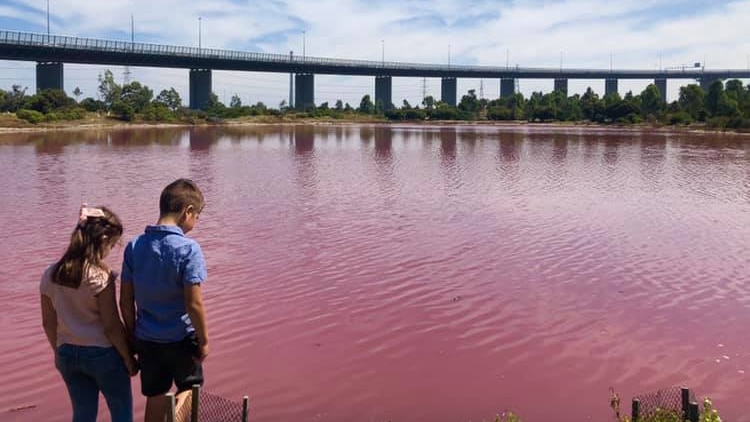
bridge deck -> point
(25, 46)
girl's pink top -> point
(79, 320)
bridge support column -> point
(448, 90)
(706, 83)
(661, 85)
(610, 87)
(561, 84)
(507, 87)
(384, 91)
(304, 91)
(200, 88)
(49, 76)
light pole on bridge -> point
(200, 31)
(47, 18)
(382, 52)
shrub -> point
(123, 111)
(679, 118)
(31, 116)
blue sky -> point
(583, 33)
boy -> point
(161, 301)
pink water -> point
(362, 273)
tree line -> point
(722, 106)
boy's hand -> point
(203, 350)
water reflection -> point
(611, 147)
(653, 153)
(201, 139)
(448, 147)
(559, 150)
(383, 144)
(304, 140)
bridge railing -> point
(112, 46)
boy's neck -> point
(169, 220)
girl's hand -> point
(132, 366)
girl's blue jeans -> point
(87, 370)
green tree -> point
(109, 90)
(366, 106)
(651, 101)
(692, 101)
(170, 98)
(591, 106)
(14, 99)
(713, 98)
(735, 90)
(429, 102)
(235, 102)
(136, 96)
(339, 105)
(49, 100)
(77, 93)
(470, 103)
(406, 105)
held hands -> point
(132, 366)
(203, 352)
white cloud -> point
(533, 33)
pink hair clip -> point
(87, 212)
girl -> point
(82, 324)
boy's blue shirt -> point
(160, 263)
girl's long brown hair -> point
(87, 246)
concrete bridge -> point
(51, 51)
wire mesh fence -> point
(677, 401)
(211, 408)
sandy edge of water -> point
(317, 122)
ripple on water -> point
(416, 272)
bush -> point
(679, 118)
(31, 116)
(123, 111)
(717, 122)
(92, 105)
(738, 123)
(156, 112)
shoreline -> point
(111, 124)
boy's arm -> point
(194, 308)
(127, 295)
(127, 309)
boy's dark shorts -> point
(165, 363)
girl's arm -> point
(113, 326)
(49, 321)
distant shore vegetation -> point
(724, 106)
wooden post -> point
(693, 412)
(635, 412)
(685, 402)
(195, 402)
(171, 414)
(245, 408)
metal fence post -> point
(245, 408)
(693, 412)
(170, 407)
(195, 402)
(635, 412)
(685, 402)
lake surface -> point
(413, 273)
